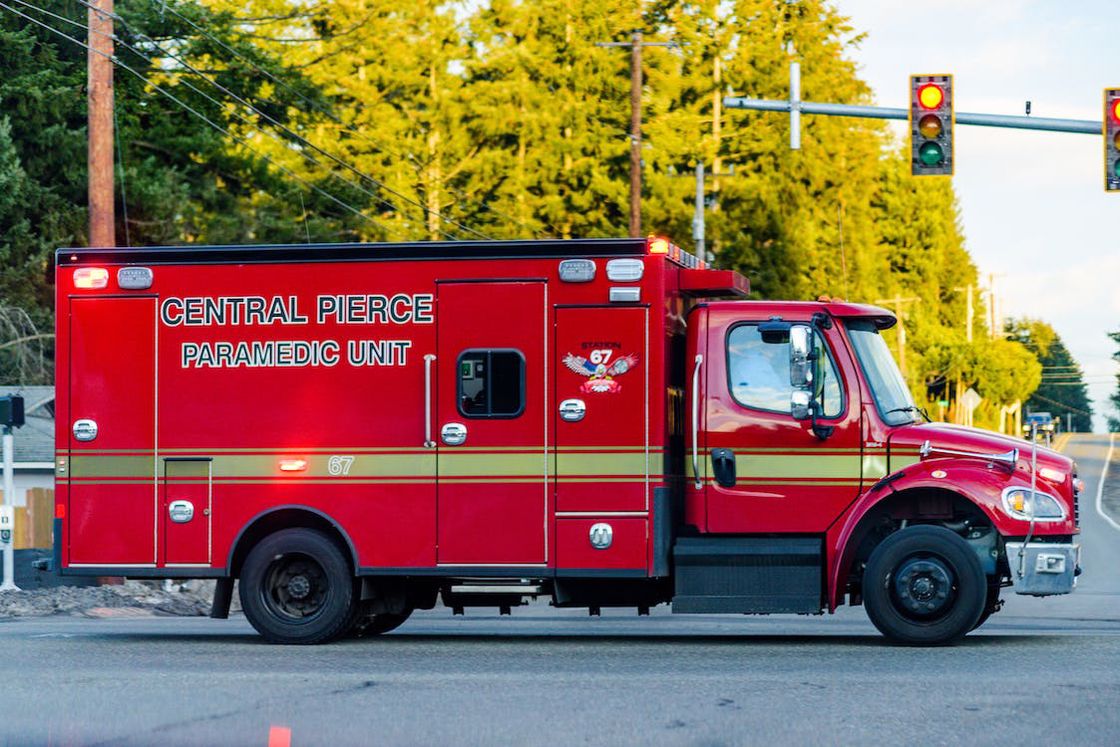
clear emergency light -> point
(91, 277)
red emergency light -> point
(293, 465)
(91, 277)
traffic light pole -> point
(8, 583)
(796, 107)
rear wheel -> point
(924, 586)
(296, 587)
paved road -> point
(1041, 671)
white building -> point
(34, 442)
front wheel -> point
(297, 587)
(372, 625)
(924, 586)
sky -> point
(1033, 205)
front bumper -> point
(1044, 569)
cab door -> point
(491, 423)
(768, 472)
(112, 477)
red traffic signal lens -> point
(930, 126)
(1114, 110)
(930, 96)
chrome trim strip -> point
(696, 421)
(428, 442)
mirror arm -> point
(823, 432)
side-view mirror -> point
(800, 404)
(801, 356)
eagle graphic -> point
(600, 377)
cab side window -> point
(491, 383)
(758, 373)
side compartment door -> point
(603, 461)
(187, 510)
(111, 517)
(491, 423)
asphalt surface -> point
(1041, 671)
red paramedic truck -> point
(357, 431)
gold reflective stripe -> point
(419, 466)
(756, 468)
(875, 466)
(111, 466)
(607, 464)
(901, 461)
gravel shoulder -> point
(130, 599)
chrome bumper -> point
(1044, 569)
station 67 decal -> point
(600, 371)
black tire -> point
(372, 625)
(297, 587)
(924, 586)
(991, 605)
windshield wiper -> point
(911, 408)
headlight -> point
(1017, 504)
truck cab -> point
(805, 442)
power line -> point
(287, 130)
(164, 5)
(196, 113)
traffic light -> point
(1112, 140)
(931, 124)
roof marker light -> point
(657, 246)
(91, 277)
(293, 465)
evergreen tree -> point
(1062, 391)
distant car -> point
(1042, 421)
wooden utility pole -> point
(898, 302)
(636, 134)
(636, 45)
(100, 103)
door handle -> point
(428, 442)
(723, 467)
(572, 410)
(453, 434)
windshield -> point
(887, 385)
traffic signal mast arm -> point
(1079, 126)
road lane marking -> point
(1100, 484)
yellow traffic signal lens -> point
(930, 126)
(1116, 140)
(930, 96)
